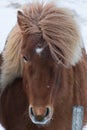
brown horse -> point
(44, 70)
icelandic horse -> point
(43, 71)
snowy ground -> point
(8, 11)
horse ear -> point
(21, 19)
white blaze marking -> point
(39, 50)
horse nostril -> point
(31, 111)
(47, 112)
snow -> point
(8, 12)
(1, 128)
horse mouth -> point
(42, 123)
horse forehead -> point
(37, 49)
(34, 41)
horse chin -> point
(42, 124)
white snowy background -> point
(8, 12)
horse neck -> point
(73, 84)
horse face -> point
(39, 75)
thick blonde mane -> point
(57, 27)
(12, 66)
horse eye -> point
(26, 59)
(60, 59)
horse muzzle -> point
(40, 115)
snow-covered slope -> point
(8, 11)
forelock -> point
(57, 27)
